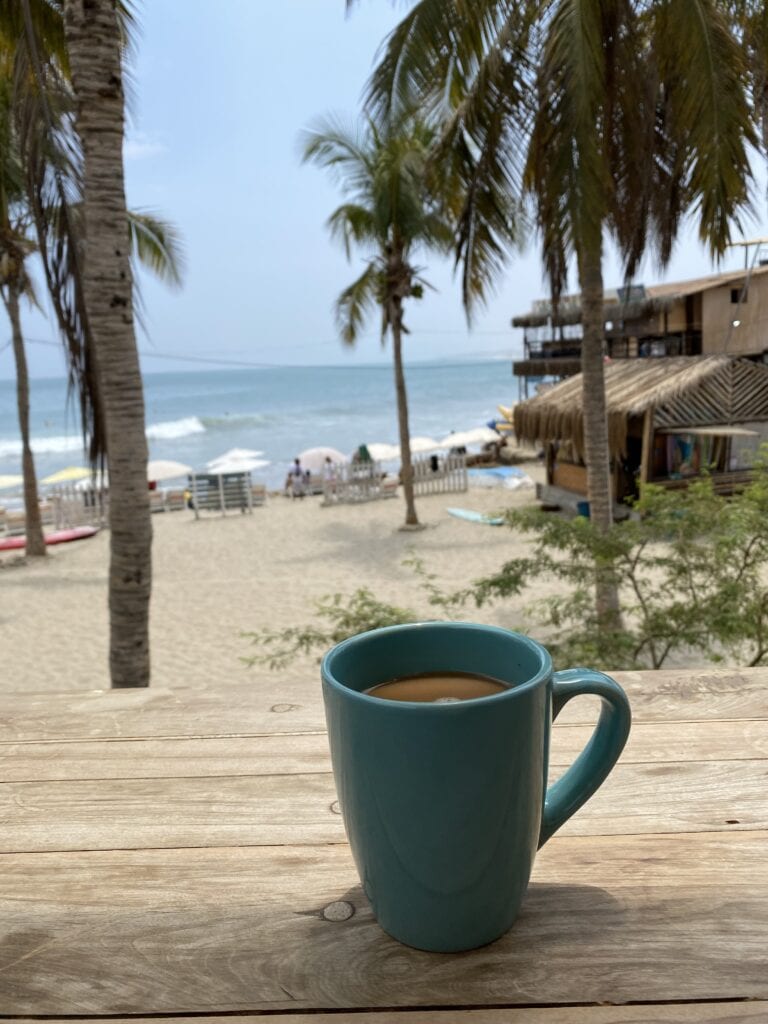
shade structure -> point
(166, 469)
(467, 438)
(10, 480)
(235, 466)
(313, 459)
(235, 455)
(68, 475)
(385, 452)
(424, 444)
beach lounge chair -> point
(258, 494)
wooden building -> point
(720, 314)
(668, 420)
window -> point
(737, 295)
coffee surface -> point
(438, 687)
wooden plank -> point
(611, 920)
(655, 1013)
(192, 757)
(269, 705)
(288, 754)
(301, 809)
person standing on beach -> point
(296, 479)
(329, 478)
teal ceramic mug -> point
(445, 805)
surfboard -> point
(475, 517)
(56, 537)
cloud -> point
(142, 147)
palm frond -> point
(157, 245)
(705, 68)
(353, 223)
(356, 302)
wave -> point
(236, 420)
(166, 430)
(172, 429)
(43, 446)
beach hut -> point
(668, 421)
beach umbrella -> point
(235, 455)
(9, 480)
(166, 469)
(424, 444)
(67, 476)
(383, 452)
(387, 452)
(236, 466)
(466, 438)
(313, 459)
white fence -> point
(439, 474)
(217, 492)
(74, 506)
(354, 482)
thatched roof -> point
(631, 387)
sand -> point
(218, 577)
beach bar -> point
(669, 420)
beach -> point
(218, 577)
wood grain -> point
(192, 757)
(610, 920)
(270, 706)
(308, 752)
(116, 814)
(656, 1013)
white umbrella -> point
(383, 452)
(424, 444)
(235, 455)
(235, 466)
(166, 469)
(313, 459)
(386, 452)
(465, 438)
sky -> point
(220, 95)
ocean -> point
(194, 417)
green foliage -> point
(691, 566)
(691, 572)
(345, 617)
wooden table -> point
(178, 852)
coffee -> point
(438, 687)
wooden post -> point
(646, 451)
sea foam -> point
(171, 429)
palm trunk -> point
(411, 519)
(94, 51)
(596, 446)
(35, 546)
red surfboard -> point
(57, 537)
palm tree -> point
(389, 214)
(93, 37)
(154, 242)
(15, 246)
(614, 118)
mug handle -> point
(592, 766)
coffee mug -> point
(446, 804)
